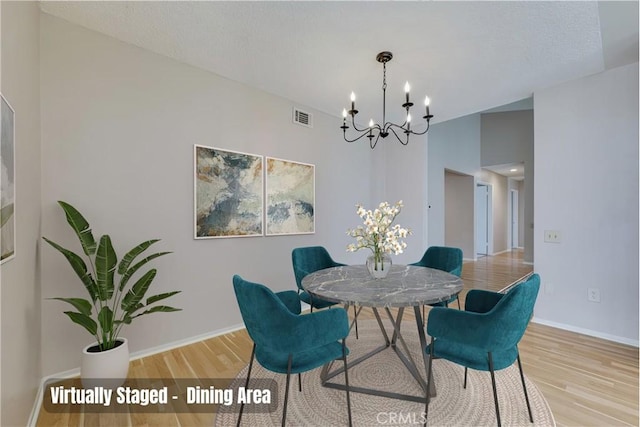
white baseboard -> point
(501, 252)
(589, 332)
(35, 411)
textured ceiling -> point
(467, 56)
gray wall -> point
(453, 145)
(507, 137)
(587, 188)
(119, 124)
(20, 290)
(459, 220)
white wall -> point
(118, 126)
(452, 145)
(406, 180)
(508, 137)
(586, 181)
(20, 291)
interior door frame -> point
(514, 213)
(489, 219)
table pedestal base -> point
(403, 354)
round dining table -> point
(405, 286)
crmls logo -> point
(400, 418)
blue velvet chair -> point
(307, 260)
(446, 259)
(486, 334)
(285, 341)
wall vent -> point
(302, 117)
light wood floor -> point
(587, 381)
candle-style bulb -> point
(371, 123)
(353, 97)
(344, 113)
(427, 101)
(407, 88)
(408, 117)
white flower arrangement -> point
(378, 234)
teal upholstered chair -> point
(307, 260)
(486, 334)
(284, 341)
(446, 259)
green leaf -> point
(5, 213)
(137, 291)
(159, 297)
(106, 261)
(158, 309)
(126, 320)
(105, 317)
(80, 304)
(131, 271)
(83, 320)
(79, 267)
(81, 227)
(133, 253)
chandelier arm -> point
(398, 138)
(365, 133)
(423, 132)
(353, 123)
(373, 144)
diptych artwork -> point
(7, 183)
(228, 193)
(290, 197)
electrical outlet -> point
(593, 294)
(552, 236)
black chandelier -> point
(376, 130)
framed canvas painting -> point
(228, 193)
(290, 197)
(7, 183)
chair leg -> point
(355, 317)
(524, 387)
(299, 382)
(429, 376)
(495, 391)
(424, 319)
(465, 377)
(458, 299)
(346, 378)
(246, 384)
(286, 392)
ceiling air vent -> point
(302, 118)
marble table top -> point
(404, 286)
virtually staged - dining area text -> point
(221, 213)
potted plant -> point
(111, 305)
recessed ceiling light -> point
(513, 170)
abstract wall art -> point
(7, 183)
(228, 193)
(290, 197)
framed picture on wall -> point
(7, 182)
(290, 197)
(228, 193)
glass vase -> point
(379, 265)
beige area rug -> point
(453, 406)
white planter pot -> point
(106, 368)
